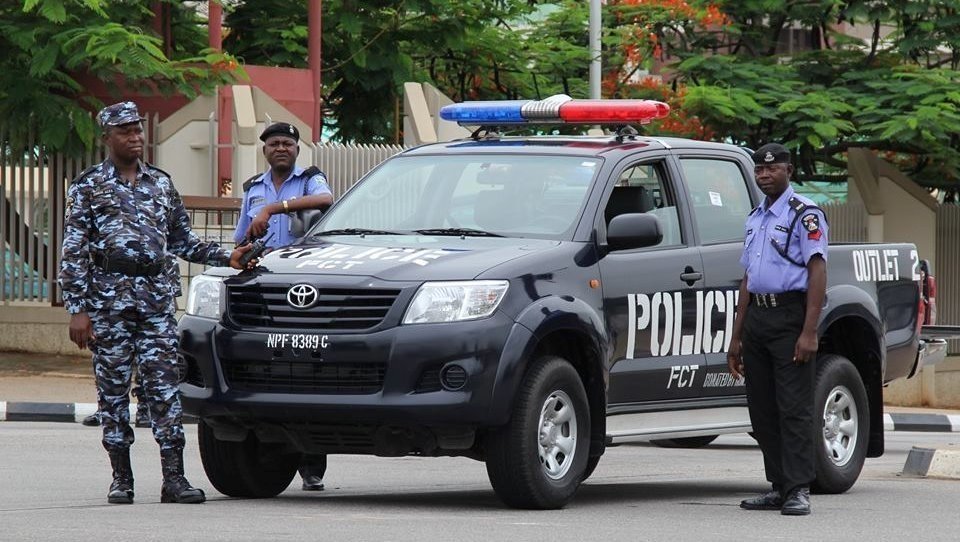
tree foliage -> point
(822, 76)
(49, 44)
(729, 66)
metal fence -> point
(345, 164)
(947, 271)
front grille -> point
(304, 376)
(341, 309)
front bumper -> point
(409, 357)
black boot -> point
(121, 490)
(176, 488)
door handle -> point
(690, 276)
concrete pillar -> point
(247, 149)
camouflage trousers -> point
(146, 343)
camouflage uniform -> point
(118, 268)
(108, 220)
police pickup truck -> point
(526, 301)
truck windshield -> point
(507, 195)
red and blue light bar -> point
(555, 109)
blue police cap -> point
(118, 114)
(281, 128)
(771, 153)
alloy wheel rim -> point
(841, 427)
(557, 435)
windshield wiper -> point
(462, 232)
(355, 231)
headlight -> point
(455, 301)
(205, 296)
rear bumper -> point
(932, 351)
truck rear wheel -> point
(538, 459)
(842, 421)
(245, 469)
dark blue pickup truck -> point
(525, 301)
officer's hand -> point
(259, 225)
(81, 330)
(735, 360)
(240, 251)
(806, 348)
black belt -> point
(128, 267)
(768, 301)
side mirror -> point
(633, 230)
(301, 221)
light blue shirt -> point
(262, 192)
(767, 271)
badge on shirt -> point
(256, 200)
(812, 223)
(68, 206)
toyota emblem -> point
(302, 296)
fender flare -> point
(541, 318)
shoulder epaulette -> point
(249, 182)
(796, 204)
(311, 171)
(755, 209)
(84, 173)
(165, 174)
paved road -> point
(53, 479)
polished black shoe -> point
(143, 416)
(312, 483)
(797, 503)
(770, 500)
(92, 420)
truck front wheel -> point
(842, 425)
(249, 468)
(539, 458)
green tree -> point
(48, 43)
(728, 68)
(469, 49)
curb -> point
(932, 423)
(76, 412)
(57, 412)
(933, 462)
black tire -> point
(685, 442)
(517, 471)
(841, 425)
(248, 469)
(591, 466)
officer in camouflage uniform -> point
(124, 219)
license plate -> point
(297, 342)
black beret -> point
(281, 128)
(771, 153)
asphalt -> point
(45, 387)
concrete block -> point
(940, 462)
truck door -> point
(649, 293)
(720, 202)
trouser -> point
(313, 465)
(149, 343)
(780, 394)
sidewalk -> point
(44, 387)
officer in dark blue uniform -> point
(774, 342)
(124, 219)
(269, 198)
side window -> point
(721, 202)
(641, 188)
